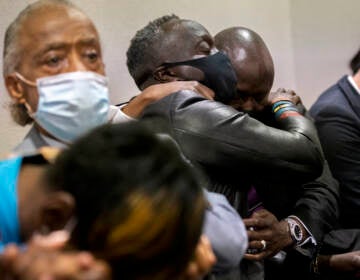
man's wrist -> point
(288, 242)
(321, 264)
(296, 231)
(136, 105)
(283, 109)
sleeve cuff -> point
(307, 247)
(116, 115)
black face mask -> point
(219, 74)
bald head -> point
(251, 60)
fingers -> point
(258, 250)
(260, 235)
(254, 222)
(280, 90)
(203, 262)
(283, 94)
(10, 253)
(256, 257)
(260, 220)
(8, 258)
(54, 240)
(98, 270)
(288, 91)
(297, 100)
(259, 245)
(46, 276)
(204, 90)
(204, 255)
(85, 260)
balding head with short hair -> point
(142, 55)
(14, 53)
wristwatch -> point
(295, 231)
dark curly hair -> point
(140, 57)
(355, 62)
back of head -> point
(250, 57)
(139, 205)
(142, 53)
(355, 63)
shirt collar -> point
(53, 142)
(354, 85)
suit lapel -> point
(351, 95)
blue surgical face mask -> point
(9, 219)
(70, 104)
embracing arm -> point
(224, 139)
(318, 207)
(134, 108)
(340, 253)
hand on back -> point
(283, 94)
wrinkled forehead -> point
(54, 20)
(53, 11)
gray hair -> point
(12, 53)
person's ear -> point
(15, 88)
(165, 75)
(57, 210)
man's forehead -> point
(53, 26)
(194, 28)
(184, 28)
(43, 20)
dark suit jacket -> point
(341, 241)
(317, 202)
(337, 118)
(237, 151)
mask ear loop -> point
(24, 80)
(159, 78)
(30, 111)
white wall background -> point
(311, 40)
(326, 35)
